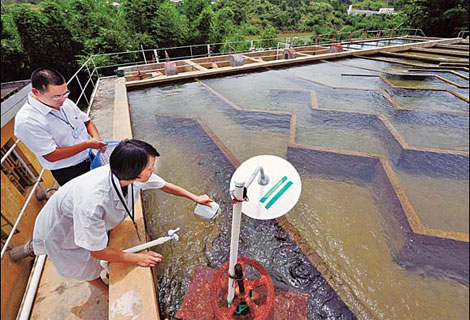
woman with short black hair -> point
(72, 228)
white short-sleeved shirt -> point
(77, 218)
(41, 129)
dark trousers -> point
(66, 174)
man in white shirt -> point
(55, 129)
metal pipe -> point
(31, 293)
(79, 69)
(236, 218)
(93, 96)
(10, 150)
(239, 275)
(263, 179)
(155, 53)
(83, 93)
(90, 75)
(83, 90)
(13, 229)
(143, 53)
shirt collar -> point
(38, 105)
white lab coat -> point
(77, 218)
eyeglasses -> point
(60, 96)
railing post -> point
(155, 53)
(20, 216)
(90, 75)
(143, 53)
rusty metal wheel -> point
(258, 294)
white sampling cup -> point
(206, 211)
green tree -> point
(192, 9)
(169, 28)
(202, 27)
(61, 46)
(268, 37)
(14, 63)
(30, 26)
(442, 18)
(139, 14)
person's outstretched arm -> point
(142, 259)
(181, 192)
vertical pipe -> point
(143, 53)
(156, 55)
(236, 218)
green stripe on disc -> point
(277, 185)
(279, 194)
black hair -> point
(130, 157)
(42, 77)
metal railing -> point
(106, 64)
(463, 34)
(20, 216)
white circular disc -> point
(276, 198)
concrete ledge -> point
(411, 76)
(416, 65)
(132, 292)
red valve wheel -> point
(258, 294)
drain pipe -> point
(33, 287)
(240, 195)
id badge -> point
(76, 133)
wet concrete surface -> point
(102, 109)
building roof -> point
(14, 95)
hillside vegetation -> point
(62, 33)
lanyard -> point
(66, 119)
(125, 204)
